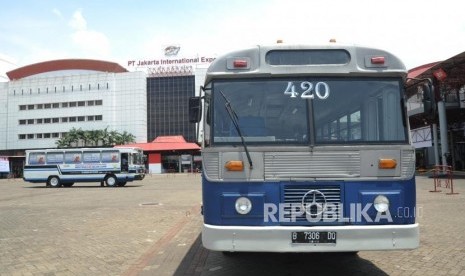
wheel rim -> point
(111, 181)
(54, 181)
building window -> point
(64, 119)
(55, 120)
(46, 135)
(47, 106)
(22, 107)
(90, 118)
(90, 103)
(81, 103)
(98, 102)
(72, 119)
(39, 121)
(64, 105)
(22, 122)
(30, 136)
(56, 105)
(40, 106)
(47, 121)
(39, 136)
(55, 135)
(30, 107)
(98, 117)
(72, 104)
(22, 136)
(30, 121)
(81, 118)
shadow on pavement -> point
(200, 261)
(82, 187)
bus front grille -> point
(312, 203)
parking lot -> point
(152, 227)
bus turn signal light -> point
(387, 163)
(234, 165)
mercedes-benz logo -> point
(312, 204)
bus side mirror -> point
(429, 99)
(195, 109)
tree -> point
(127, 138)
(78, 137)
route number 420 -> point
(308, 90)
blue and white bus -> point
(63, 167)
(306, 149)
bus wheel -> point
(230, 253)
(111, 181)
(122, 184)
(54, 182)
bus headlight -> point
(243, 205)
(381, 203)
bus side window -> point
(91, 157)
(36, 158)
(54, 157)
(110, 157)
(72, 157)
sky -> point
(31, 31)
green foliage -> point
(94, 138)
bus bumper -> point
(278, 238)
(139, 176)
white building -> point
(45, 100)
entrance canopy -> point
(450, 72)
(165, 143)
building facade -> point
(39, 109)
(167, 106)
(439, 137)
(43, 101)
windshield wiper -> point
(232, 114)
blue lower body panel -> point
(309, 203)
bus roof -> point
(125, 149)
(283, 60)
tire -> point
(230, 254)
(122, 184)
(351, 253)
(111, 181)
(68, 184)
(54, 182)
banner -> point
(421, 137)
(4, 165)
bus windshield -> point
(311, 110)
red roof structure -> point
(65, 64)
(165, 143)
(415, 72)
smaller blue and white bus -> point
(63, 167)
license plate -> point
(315, 237)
